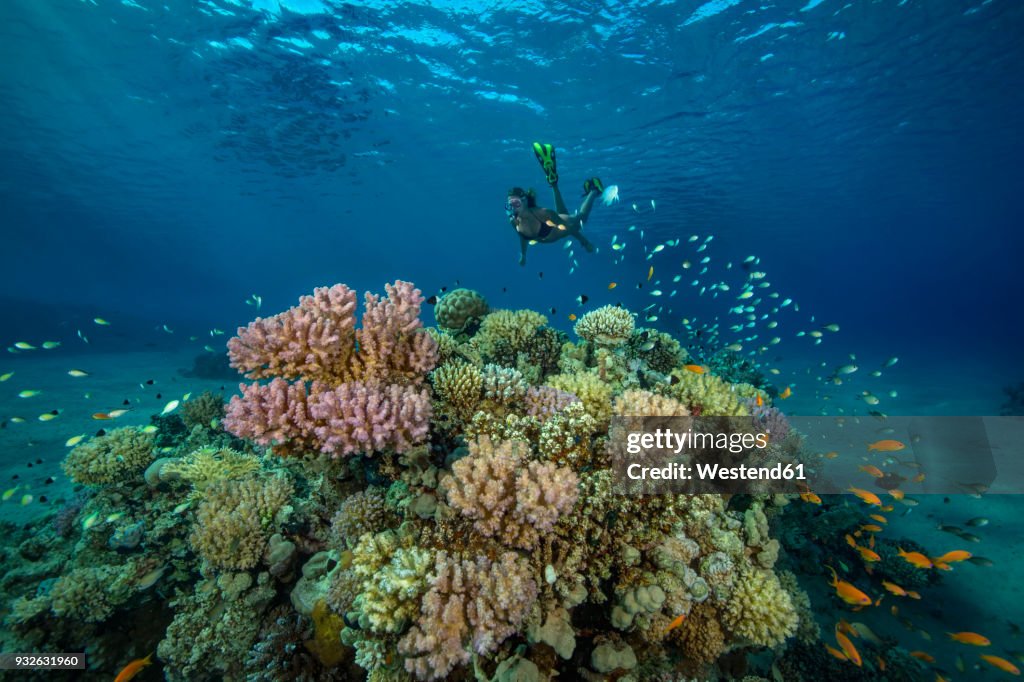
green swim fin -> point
(592, 185)
(546, 157)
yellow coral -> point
(459, 385)
(512, 326)
(326, 643)
(595, 395)
(637, 403)
(707, 394)
(393, 579)
(608, 326)
(208, 465)
(120, 455)
(235, 520)
(760, 610)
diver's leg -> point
(576, 230)
(588, 203)
(559, 202)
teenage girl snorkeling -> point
(534, 223)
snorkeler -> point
(536, 224)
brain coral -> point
(607, 326)
(120, 455)
(459, 306)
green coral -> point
(458, 307)
(120, 455)
(204, 410)
(206, 466)
(659, 350)
(91, 593)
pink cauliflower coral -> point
(508, 498)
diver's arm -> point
(523, 243)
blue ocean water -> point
(163, 162)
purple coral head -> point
(769, 419)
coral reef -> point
(393, 503)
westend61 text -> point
(716, 472)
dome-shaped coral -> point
(458, 307)
(760, 610)
(118, 456)
(606, 326)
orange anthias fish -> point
(835, 652)
(846, 645)
(133, 668)
(696, 369)
(847, 592)
(886, 445)
(872, 470)
(923, 656)
(866, 495)
(101, 415)
(868, 554)
(759, 400)
(953, 557)
(879, 518)
(972, 638)
(676, 622)
(1002, 664)
(572, 317)
(831, 455)
(612, 285)
(871, 528)
(897, 494)
(895, 589)
(811, 497)
(915, 558)
(786, 393)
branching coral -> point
(637, 403)
(364, 394)
(760, 610)
(121, 455)
(236, 518)
(606, 326)
(362, 512)
(352, 417)
(505, 496)
(207, 465)
(459, 386)
(595, 394)
(473, 605)
(707, 395)
(91, 593)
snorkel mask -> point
(525, 198)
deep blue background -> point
(167, 159)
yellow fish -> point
(5, 377)
(650, 273)
(612, 285)
(22, 345)
(170, 407)
(50, 345)
(73, 441)
(77, 373)
(100, 321)
(47, 417)
(28, 393)
(8, 494)
(26, 500)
